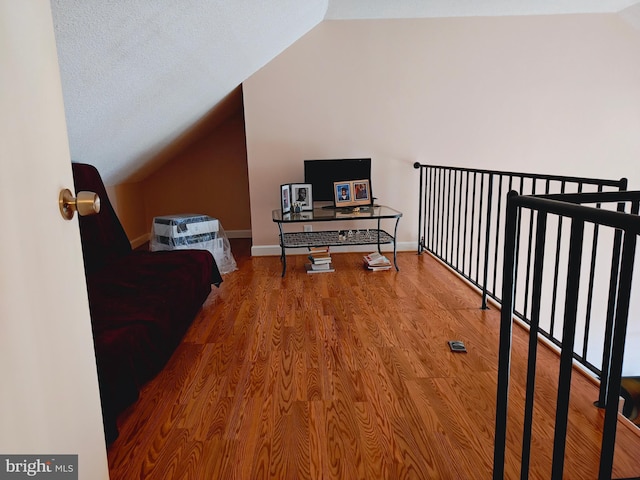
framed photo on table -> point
(352, 193)
(301, 194)
(285, 198)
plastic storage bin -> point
(193, 231)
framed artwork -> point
(352, 193)
(301, 196)
(285, 198)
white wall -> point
(49, 399)
(553, 94)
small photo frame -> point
(301, 195)
(285, 198)
(352, 193)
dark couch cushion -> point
(141, 306)
(141, 303)
(103, 238)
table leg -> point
(395, 235)
(283, 256)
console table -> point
(368, 236)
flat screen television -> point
(322, 173)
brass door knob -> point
(86, 203)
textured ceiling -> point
(138, 74)
(352, 9)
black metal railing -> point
(461, 222)
(589, 216)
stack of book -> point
(320, 260)
(376, 261)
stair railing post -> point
(506, 325)
(420, 200)
(486, 244)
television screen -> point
(322, 173)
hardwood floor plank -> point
(218, 417)
(348, 375)
(413, 454)
(377, 458)
(318, 442)
(219, 458)
(263, 432)
(344, 450)
(290, 455)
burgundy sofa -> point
(141, 302)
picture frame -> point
(285, 198)
(302, 196)
(352, 193)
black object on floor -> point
(457, 346)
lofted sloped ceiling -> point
(359, 9)
(138, 75)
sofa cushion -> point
(142, 304)
(103, 238)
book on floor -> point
(309, 267)
(378, 268)
(321, 266)
(319, 255)
(376, 261)
(375, 258)
(320, 259)
(317, 259)
(318, 249)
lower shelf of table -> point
(335, 238)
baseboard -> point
(269, 250)
(141, 240)
(238, 233)
(265, 250)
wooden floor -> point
(348, 375)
